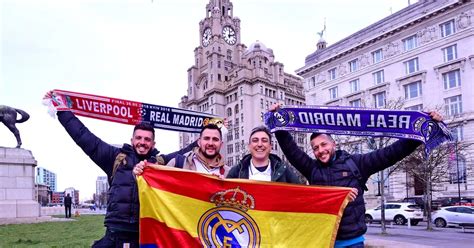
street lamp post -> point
(457, 168)
(406, 182)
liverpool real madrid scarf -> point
(130, 112)
(360, 121)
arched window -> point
(229, 111)
(236, 109)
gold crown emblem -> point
(234, 198)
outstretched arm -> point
(298, 158)
(385, 157)
(99, 151)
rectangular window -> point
(453, 105)
(356, 103)
(450, 53)
(237, 147)
(457, 169)
(230, 161)
(355, 85)
(378, 77)
(409, 43)
(377, 56)
(353, 65)
(332, 74)
(236, 132)
(333, 93)
(447, 28)
(411, 66)
(452, 79)
(312, 82)
(418, 107)
(412, 90)
(379, 100)
(230, 149)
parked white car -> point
(398, 212)
(453, 215)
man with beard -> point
(333, 167)
(121, 219)
(205, 158)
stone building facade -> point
(423, 56)
(232, 80)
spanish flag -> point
(180, 208)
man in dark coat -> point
(260, 164)
(122, 214)
(67, 205)
(339, 168)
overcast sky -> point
(138, 50)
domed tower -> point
(233, 81)
(321, 42)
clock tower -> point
(233, 81)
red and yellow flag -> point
(181, 208)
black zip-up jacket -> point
(122, 206)
(281, 171)
(339, 173)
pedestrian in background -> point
(68, 205)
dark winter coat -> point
(122, 206)
(339, 173)
(281, 172)
(67, 201)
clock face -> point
(229, 35)
(206, 36)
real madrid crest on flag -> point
(228, 224)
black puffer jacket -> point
(339, 173)
(123, 206)
(281, 172)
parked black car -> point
(419, 201)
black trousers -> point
(114, 239)
(67, 208)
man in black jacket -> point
(338, 168)
(260, 164)
(122, 214)
(68, 205)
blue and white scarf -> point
(360, 122)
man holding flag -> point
(122, 216)
(205, 158)
(339, 168)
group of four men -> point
(331, 167)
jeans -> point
(67, 208)
(114, 239)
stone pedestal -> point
(17, 184)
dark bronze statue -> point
(8, 117)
